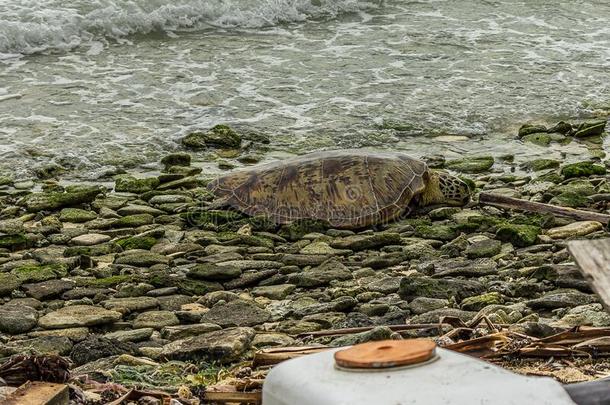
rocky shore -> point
(142, 278)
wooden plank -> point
(234, 397)
(541, 208)
(39, 393)
(593, 260)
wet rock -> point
(78, 315)
(236, 313)
(252, 264)
(575, 229)
(186, 331)
(528, 129)
(385, 285)
(518, 235)
(367, 241)
(582, 169)
(222, 346)
(413, 287)
(129, 184)
(375, 334)
(16, 319)
(297, 229)
(561, 299)
(220, 136)
(478, 164)
(176, 159)
(374, 309)
(341, 304)
(419, 250)
(537, 165)
(590, 128)
(97, 347)
(76, 215)
(95, 250)
(421, 305)
(209, 271)
(49, 201)
(539, 138)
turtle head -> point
(443, 188)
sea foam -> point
(30, 26)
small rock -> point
(89, 239)
(274, 292)
(575, 229)
(222, 346)
(78, 315)
(236, 313)
(17, 319)
(375, 334)
(155, 320)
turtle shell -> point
(348, 189)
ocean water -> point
(98, 84)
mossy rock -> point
(49, 201)
(590, 128)
(571, 199)
(37, 273)
(8, 283)
(213, 217)
(518, 235)
(438, 232)
(13, 242)
(413, 287)
(220, 135)
(537, 165)
(541, 220)
(582, 169)
(540, 139)
(95, 250)
(176, 159)
(137, 242)
(477, 164)
(479, 302)
(76, 215)
(582, 187)
(129, 184)
(133, 221)
(297, 229)
(528, 129)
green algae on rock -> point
(518, 235)
(48, 201)
(219, 135)
(582, 169)
(477, 164)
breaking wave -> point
(31, 26)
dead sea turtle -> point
(347, 189)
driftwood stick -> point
(514, 203)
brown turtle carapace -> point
(347, 189)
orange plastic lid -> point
(386, 353)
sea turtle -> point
(347, 189)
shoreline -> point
(94, 274)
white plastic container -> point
(452, 378)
